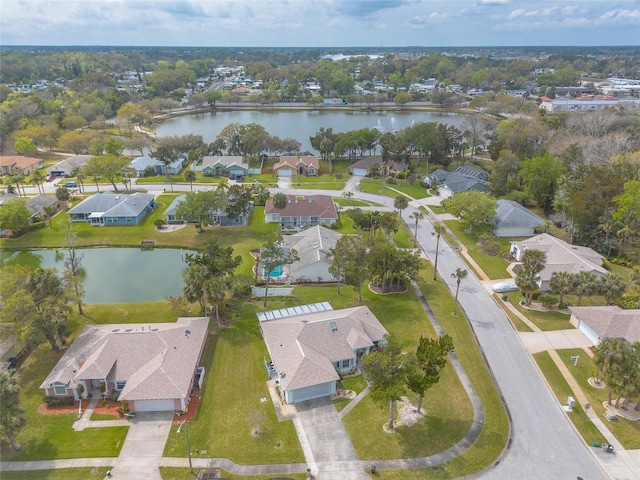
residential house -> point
(110, 208)
(302, 211)
(598, 323)
(290, 166)
(35, 205)
(154, 366)
(514, 220)
(314, 251)
(224, 165)
(374, 166)
(68, 165)
(309, 346)
(217, 217)
(145, 164)
(462, 179)
(560, 257)
(16, 164)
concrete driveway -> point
(325, 442)
(142, 449)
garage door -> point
(309, 393)
(284, 173)
(154, 405)
(360, 172)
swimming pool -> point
(276, 272)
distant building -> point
(17, 164)
(303, 211)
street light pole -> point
(186, 424)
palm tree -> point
(585, 283)
(215, 292)
(36, 179)
(459, 274)
(611, 286)
(11, 420)
(279, 203)
(611, 358)
(562, 283)
(401, 203)
(190, 176)
(438, 231)
(416, 216)
(527, 278)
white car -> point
(504, 287)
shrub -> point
(548, 300)
(390, 181)
(628, 301)
(68, 401)
(339, 176)
(401, 175)
(125, 406)
(51, 401)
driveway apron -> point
(143, 447)
(328, 449)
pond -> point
(301, 124)
(116, 275)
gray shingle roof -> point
(611, 321)
(313, 245)
(226, 161)
(156, 360)
(70, 164)
(304, 347)
(512, 214)
(112, 204)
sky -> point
(321, 23)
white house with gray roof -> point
(598, 323)
(560, 257)
(309, 350)
(110, 208)
(514, 220)
(314, 251)
(154, 366)
(66, 167)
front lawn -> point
(318, 185)
(547, 320)
(377, 186)
(83, 473)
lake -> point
(300, 124)
(116, 275)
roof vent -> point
(334, 327)
(310, 200)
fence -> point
(273, 292)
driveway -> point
(142, 449)
(325, 442)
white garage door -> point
(309, 393)
(284, 173)
(360, 172)
(155, 405)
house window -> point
(346, 363)
(314, 220)
(120, 384)
(60, 389)
(129, 220)
(311, 171)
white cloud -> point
(620, 16)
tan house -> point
(598, 323)
(560, 257)
(292, 166)
(154, 366)
(13, 164)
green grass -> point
(231, 406)
(403, 238)
(83, 473)
(357, 383)
(562, 390)
(546, 321)
(415, 191)
(352, 202)
(172, 473)
(336, 185)
(625, 431)
(378, 187)
(103, 416)
(494, 267)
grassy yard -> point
(494, 267)
(378, 187)
(546, 320)
(626, 432)
(318, 185)
(170, 473)
(352, 202)
(562, 390)
(84, 473)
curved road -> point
(545, 444)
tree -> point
(400, 203)
(239, 201)
(215, 291)
(108, 167)
(612, 286)
(37, 178)
(11, 413)
(127, 175)
(198, 206)
(73, 265)
(195, 278)
(417, 217)
(386, 372)
(15, 216)
(430, 359)
(611, 359)
(280, 203)
(25, 146)
(212, 97)
(585, 283)
(438, 230)
(459, 274)
(350, 261)
(634, 278)
(562, 283)
(473, 207)
(273, 255)
(190, 176)
(166, 154)
(62, 194)
(528, 276)
(540, 176)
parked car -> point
(70, 185)
(239, 178)
(232, 176)
(503, 287)
(49, 178)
